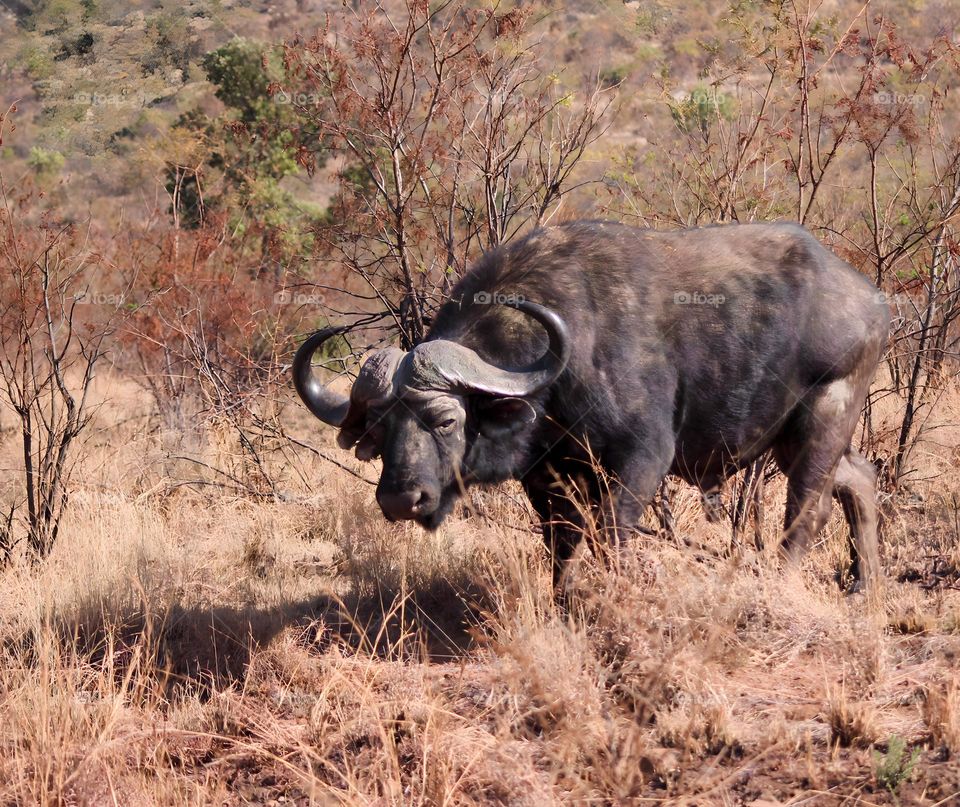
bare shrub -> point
(455, 137)
(51, 342)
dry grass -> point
(941, 713)
(188, 646)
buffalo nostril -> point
(405, 504)
(422, 501)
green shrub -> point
(701, 108)
(45, 163)
(894, 767)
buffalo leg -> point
(629, 490)
(808, 508)
(560, 520)
(855, 488)
(809, 452)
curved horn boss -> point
(446, 365)
(434, 365)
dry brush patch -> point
(184, 645)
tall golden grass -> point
(184, 645)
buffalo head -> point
(439, 415)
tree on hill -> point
(456, 135)
(230, 168)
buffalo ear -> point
(499, 416)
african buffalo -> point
(644, 353)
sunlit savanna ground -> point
(188, 645)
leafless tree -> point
(48, 357)
(454, 139)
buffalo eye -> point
(447, 424)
